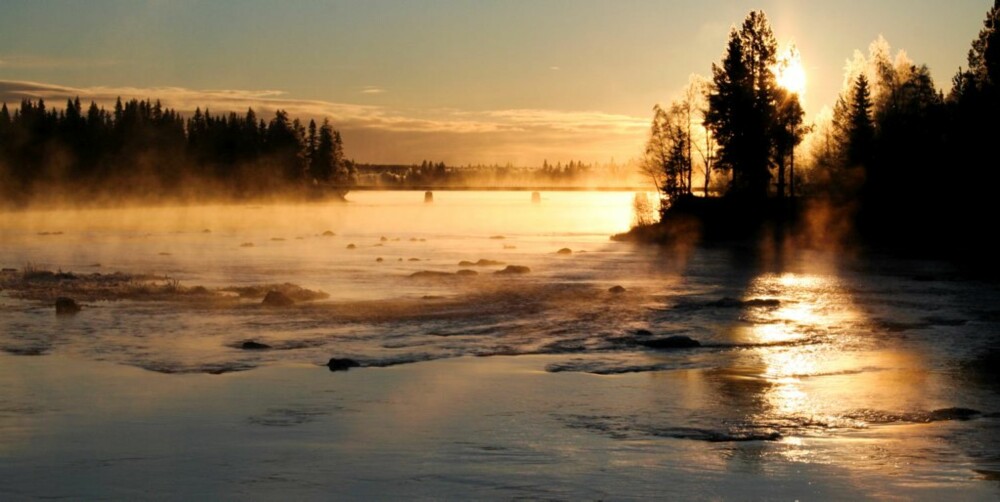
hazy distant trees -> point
(142, 149)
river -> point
(820, 374)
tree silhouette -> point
(861, 129)
(743, 106)
(143, 149)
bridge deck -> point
(436, 188)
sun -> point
(789, 71)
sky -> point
(473, 81)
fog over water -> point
(818, 373)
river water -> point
(820, 374)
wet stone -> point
(66, 306)
(277, 299)
(671, 342)
(252, 345)
(342, 364)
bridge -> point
(474, 188)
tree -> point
(788, 133)
(742, 106)
(861, 129)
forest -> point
(142, 151)
(904, 163)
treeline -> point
(917, 166)
(909, 165)
(143, 150)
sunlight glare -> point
(789, 71)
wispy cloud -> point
(383, 134)
(35, 62)
(555, 68)
(373, 90)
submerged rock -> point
(954, 414)
(328, 233)
(671, 342)
(565, 251)
(731, 303)
(480, 263)
(252, 345)
(616, 290)
(466, 271)
(66, 306)
(277, 299)
(246, 245)
(379, 259)
(351, 246)
(342, 364)
(430, 274)
(514, 269)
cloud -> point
(373, 90)
(555, 68)
(396, 135)
(31, 62)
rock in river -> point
(252, 345)
(514, 269)
(616, 290)
(277, 299)
(341, 364)
(671, 342)
(66, 306)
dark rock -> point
(414, 259)
(643, 333)
(66, 306)
(762, 302)
(430, 274)
(480, 263)
(278, 239)
(342, 364)
(466, 271)
(246, 245)
(565, 251)
(671, 342)
(732, 303)
(383, 239)
(497, 237)
(954, 414)
(277, 299)
(252, 345)
(514, 269)
(351, 246)
(379, 259)
(616, 290)
(328, 233)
